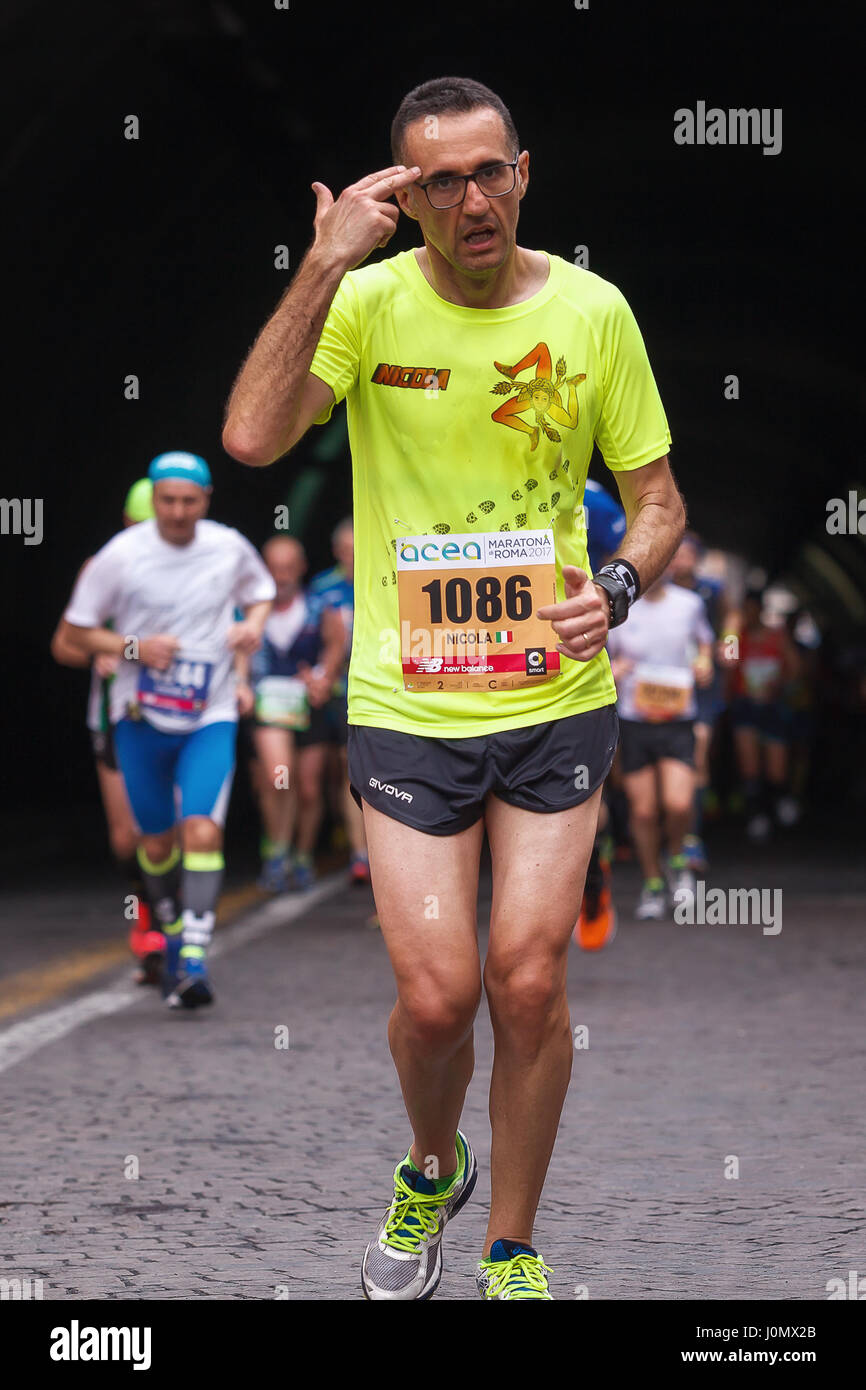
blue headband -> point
(191, 467)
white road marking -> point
(23, 1039)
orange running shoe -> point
(596, 925)
(148, 947)
(359, 869)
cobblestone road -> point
(263, 1169)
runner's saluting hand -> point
(581, 619)
(360, 219)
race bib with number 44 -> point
(468, 608)
(181, 690)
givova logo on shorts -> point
(391, 790)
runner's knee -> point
(157, 848)
(201, 834)
(524, 995)
(439, 1016)
(679, 804)
(310, 791)
(123, 840)
(309, 780)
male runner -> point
(800, 694)
(335, 588)
(146, 942)
(596, 925)
(767, 660)
(664, 650)
(710, 697)
(478, 373)
(293, 672)
(171, 586)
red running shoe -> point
(148, 946)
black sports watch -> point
(621, 582)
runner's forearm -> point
(653, 535)
(334, 644)
(266, 396)
(95, 640)
(65, 650)
(257, 614)
(333, 658)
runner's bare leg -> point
(641, 789)
(539, 867)
(275, 749)
(677, 783)
(426, 889)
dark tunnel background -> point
(156, 257)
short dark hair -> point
(446, 96)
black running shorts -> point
(327, 725)
(643, 745)
(102, 745)
(439, 785)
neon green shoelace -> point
(520, 1277)
(412, 1218)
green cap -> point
(139, 501)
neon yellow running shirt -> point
(477, 420)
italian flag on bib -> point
(504, 636)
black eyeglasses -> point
(494, 182)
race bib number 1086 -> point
(468, 606)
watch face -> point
(617, 600)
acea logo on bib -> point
(413, 553)
(475, 550)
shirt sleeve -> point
(338, 355)
(316, 604)
(254, 580)
(94, 597)
(703, 632)
(633, 429)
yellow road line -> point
(27, 989)
(232, 903)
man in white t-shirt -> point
(656, 659)
(171, 587)
(145, 937)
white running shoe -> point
(759, 827)
(787, 811)
(404, 1259)
(680, 877)
(653, 901)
